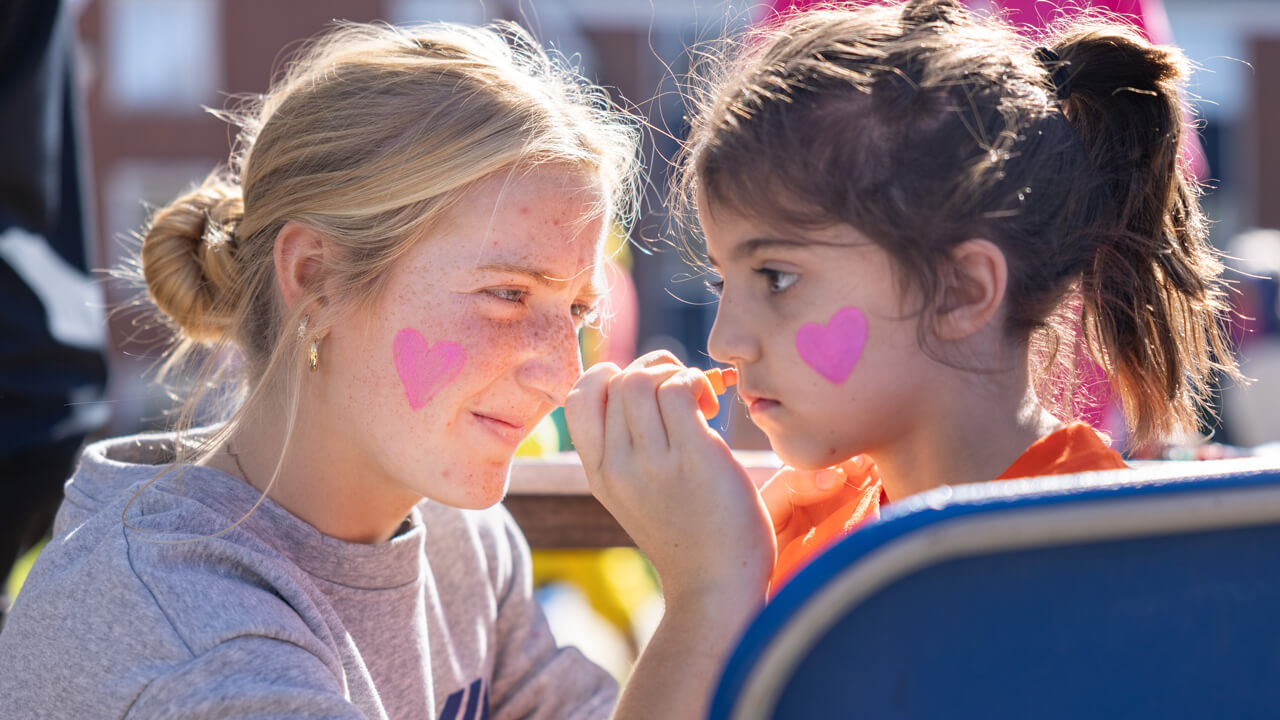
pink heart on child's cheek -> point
(833, 349)
(423, 368)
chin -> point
(487, 488)
(471, 484)
(477, 503)
(809, 456)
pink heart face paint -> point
(424, 369)
(833, 349)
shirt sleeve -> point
(248, 677)
(532, 677)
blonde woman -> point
(401, 253)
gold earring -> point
(302, 326)
(314, 355)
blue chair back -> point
(1144, 593)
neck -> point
(978, 427)
(316, 474)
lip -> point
(509, 430)
(757, 404)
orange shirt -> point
(1071, 449)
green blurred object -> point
(562, 425)
(20, 570)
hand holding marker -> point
(721, 379)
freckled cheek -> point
(552, 337)
(485, 364)
(492, 350)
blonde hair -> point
(369, 137)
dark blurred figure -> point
(52, 369)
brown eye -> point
(778, 280)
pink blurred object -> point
(1148, 16)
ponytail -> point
(1153, 297)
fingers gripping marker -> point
(722, 378)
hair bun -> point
(188, 258)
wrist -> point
(739, 597)
(716, 622)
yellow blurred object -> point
(20, 570)
(543, 441)
(617, 582)
(618, 248)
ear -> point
(973, 289)
(299, 255)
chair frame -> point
(971, 520)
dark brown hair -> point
(923, 125)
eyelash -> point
(771, 276)
(716, 286)
(585, 313)
(588, 315)
(517, 296)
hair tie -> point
(217, 236)
(1057, 68)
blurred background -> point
(140, 74)
(147, 67)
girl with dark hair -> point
(915, 217)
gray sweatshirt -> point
(272, 619)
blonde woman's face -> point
(473, 340)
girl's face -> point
(472, 340)
(825, 344)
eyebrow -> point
(754, 245)
(542, 277)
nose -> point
(553, 362)
(731, 340)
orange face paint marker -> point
(722, 378)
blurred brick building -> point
(150, 65)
